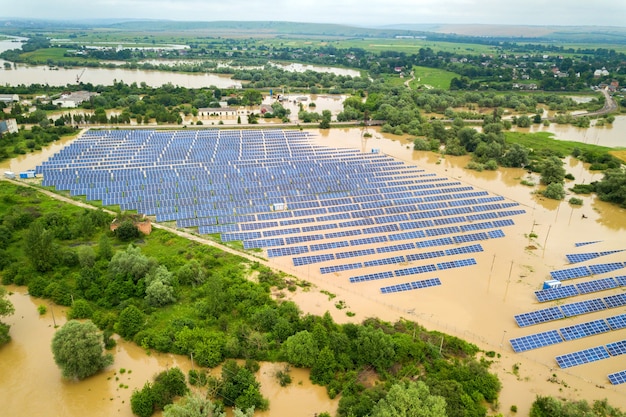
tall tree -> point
(40, 246)
(78, 350)
(6, 309)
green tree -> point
(192, 405)
(78, 350)
(191, 273)
(554, 191)
(41, 247)
(130, 322)
(410, 399)
(105, 250)
(6, 309)
(552, 171)
(81, 309)
(301, 349)
(159, 289)
(127, 231)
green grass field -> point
(544, 141)
(54, 54)
(432, 77)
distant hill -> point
(580, 34)
(448, 32)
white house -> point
(74, 99)
(9, 98)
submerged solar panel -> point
(550, 294)
(571, 273)
(539, 316)
(534, 341)
(578, 244)
(617, 322)
(411, 286)
(616, 300)
(581, 257)
(616, 348)
(603, 268)
(583, 307)
(596, 285)
(581, 330)
(584, 356)
(617, 377)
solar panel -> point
(414, 270)
(621, 280)
(596, 285)
(583, 307)
(534, 341)
(586, 243)
(307, 260)
(339, 268)
(571, 273)
(456, 264)
(581, 330)
(539, 316)
(617, 377)
(615, 300)
(371, 277)
(616, 348)
(617, 322)
(584, 356)
(411, 286)
(603, 268)
(550, 294)
(581, 257)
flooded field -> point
(477, 303)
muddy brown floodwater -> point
(477, 303)
(31, 384)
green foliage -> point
(576, 201)
(301, 349)
(554, 191)
(78, 350)
(41, 247)
(421, 145)
(6, 309)
(612, 187)
(127, 231)
(157, 395)
(552, 171)
(410, 398)
(81, 309)
(240, 388)
(193, 405)
(130, 322)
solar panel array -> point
(411, 286)
(277, 191)
(576, 331)
(579, 330)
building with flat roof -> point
(73, 99)
(9, 98)
(8, 126)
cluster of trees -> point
(610, 188)
(6, 309)
(23, 141)
(157, 395)
(553, 407)
(220, 314)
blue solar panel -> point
(616, 348)
(581, 257)
(584, 356)
(586, 243)
(384, 261)
(603, 268)
(621, 280)
(617, 300)
(590, 328)
(534, 341)
(372, 277)
(617, 322)
(306, 260)
(539, 316)
(596, 285)
(617, 377)
(583, 307)
(339, 268)
(456, 264)
(414, 270)
(411, 286)
(550, 294)
(571, 273)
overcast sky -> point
(352, 12)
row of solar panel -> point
(415, 270)
(570, 310)
(565, 291)
(568, 333)
(582, 257)
(584, 271)
(592, 354)
(414, 285)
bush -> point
(576, 201)
(554, 191)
